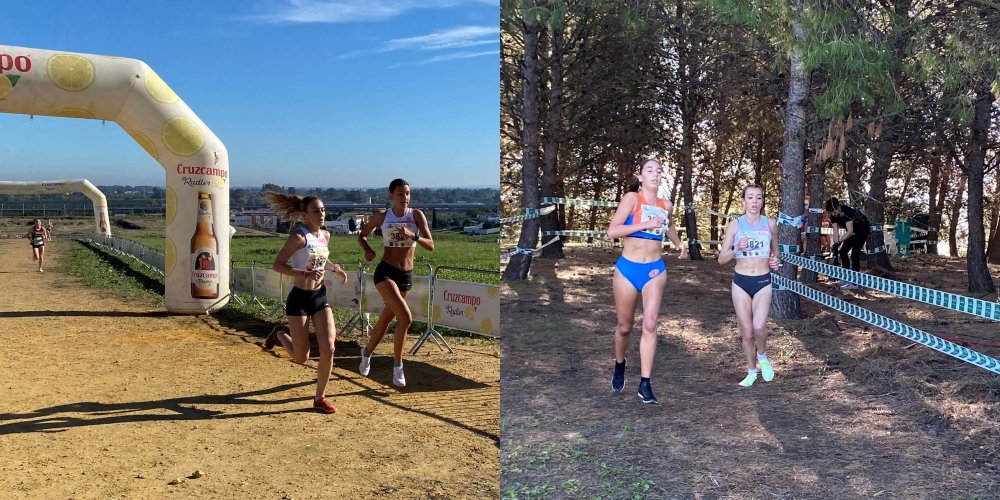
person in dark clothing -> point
(853, 240)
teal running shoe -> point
(765, 369)
(749, 379)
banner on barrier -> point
(472, 307)
(242, 279)
(342, 295)
(417, 298)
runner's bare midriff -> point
(399, 257)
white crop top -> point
(391, 234)
(758, 238)
(314, 254)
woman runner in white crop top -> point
(403, 228)
(37, 236)
(305, 257)
(752, 240)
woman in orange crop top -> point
(305, 257)
(642, 219)
(403, 228)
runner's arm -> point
(374, 222)
(728, 252)
(423, 238)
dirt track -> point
(854, 412)
(107, 399)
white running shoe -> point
(41, 270)
(366, 362)
(398, 379)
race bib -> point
(648, 213)
(394, 236)
(317, 257)
(756, 244)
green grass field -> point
(451, 249)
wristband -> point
(416, 237)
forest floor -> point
(853, 412)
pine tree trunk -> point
(553, 137)
(785, 303)
(980, 280)
(688, 114)
(520, 263)
(716, 193)
(993, 250)
(933, 215)
(815, 220)
(956, 211)
(875, 204)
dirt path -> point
(853, 412)
(107, 399)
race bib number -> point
(648, 213)
(755, 244)
(395, 237)
(317, 257)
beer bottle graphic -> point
(204, 253)
(104, 225)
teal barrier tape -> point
(891, 325)
(579, 202)
(584, 234)
(955, 302)
(529, 213)
(787, 220)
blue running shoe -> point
(618, 378)
(646, 393)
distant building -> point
(343, 225)
(480, 229)
(261, 218)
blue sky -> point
(349, 93)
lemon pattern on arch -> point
(182, 136)
(74, 113)
(158, 89)
(6, 86)
(169, 257)
(70, 72)
(486, 326)
(171, 205)
(145, 142)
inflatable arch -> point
(68, 186)
(130, 93)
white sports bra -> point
(758, 238)
(314, 254)
(391, 234)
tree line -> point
(889, 104)
(248, 196)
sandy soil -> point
(103, 398)
(853, 412)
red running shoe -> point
(324, 406)
(272, 338)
